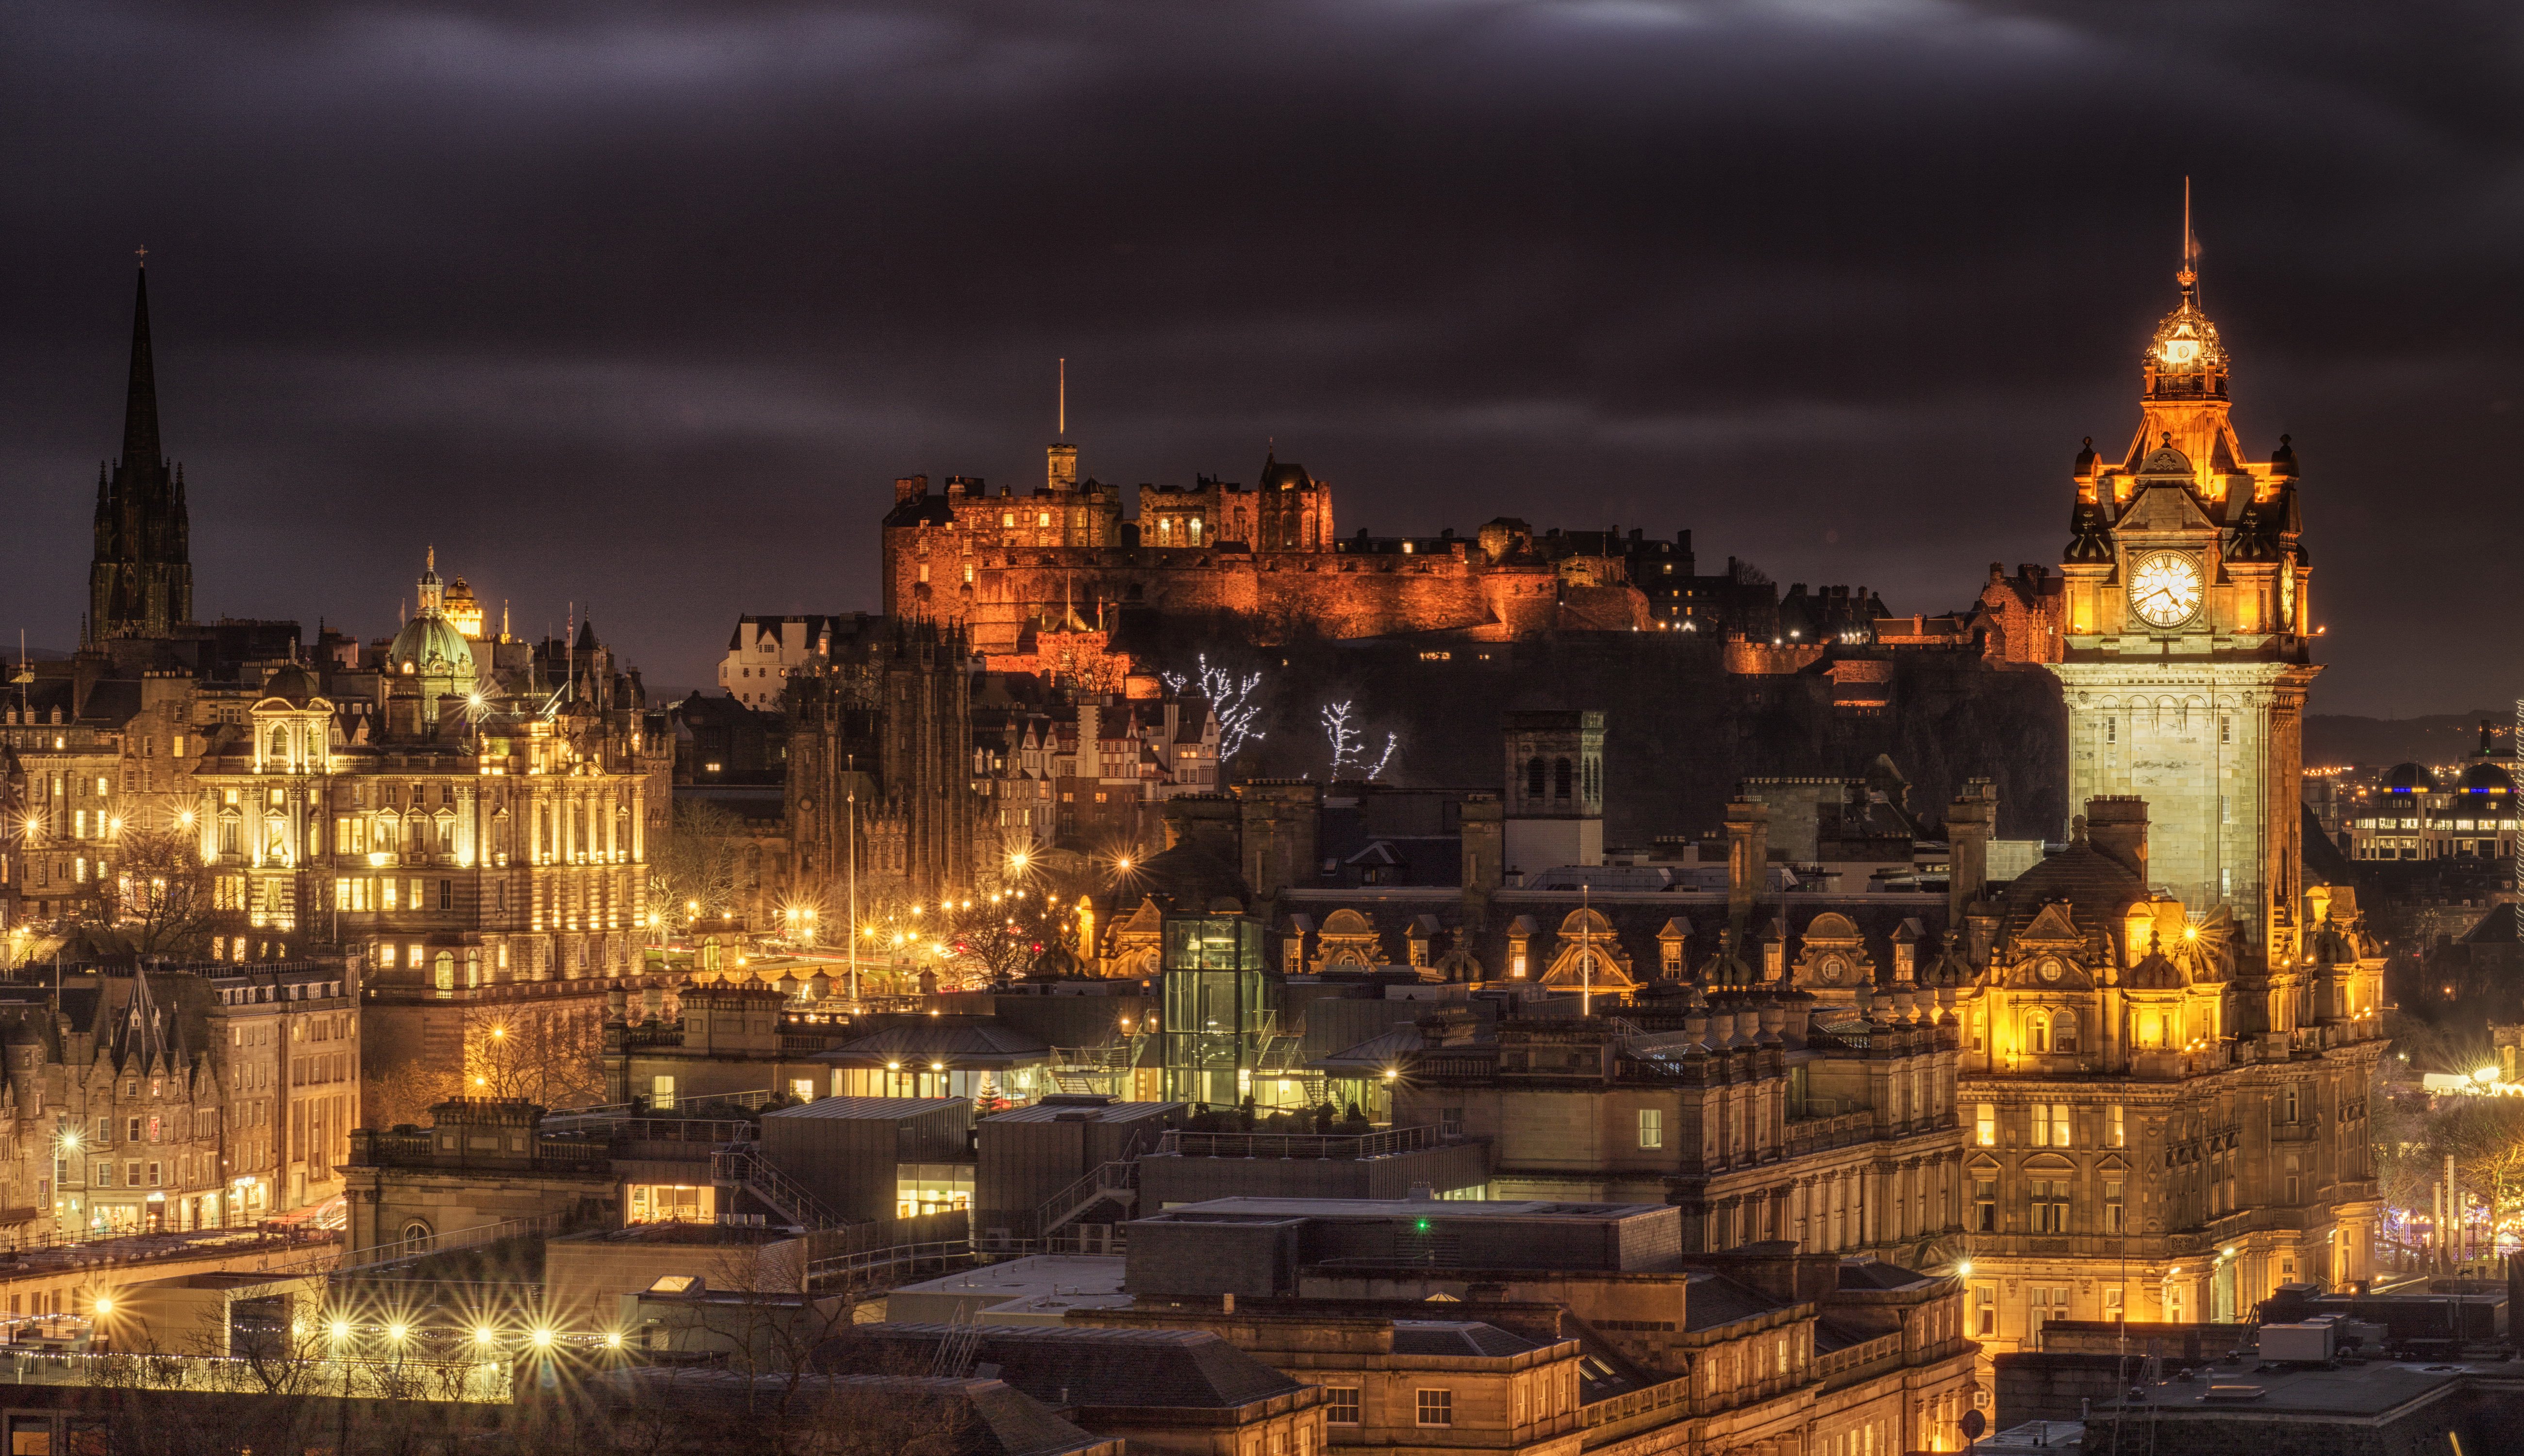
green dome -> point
(430, 644)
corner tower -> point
(140, 580)
(2186, 657)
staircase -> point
(1115, 1183)
(1104, 1069)
(742, 1165)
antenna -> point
(1063, 422)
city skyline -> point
(702, 341)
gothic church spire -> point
(140, 450)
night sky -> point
(644, 306)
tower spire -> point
(1060, 429)
(140, 451)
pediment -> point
(2051, 970)
(2052, 925)
(2163, 506)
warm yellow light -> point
(2191, 932)
(105, 1304)
(1123, 863)
(937, 1066)
(1965, 1268)
(396, 1332)
(482, 1334)
(613, 1339)
(2485, 1074)
(341, 1330)
(70, 1139)
(543, 1338)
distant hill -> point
(2441, 738)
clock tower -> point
(2185, 657)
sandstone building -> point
(2171, 1037)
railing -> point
(1663, 1395)
(479, 1382)
(742, 1165)
(381, 1254)
(1858, 1356)
(869, 1265)
(1435, 1064)
(1329, 1145)
(717, 1131)
(1121, 1176)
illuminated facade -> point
(1000, 565)
(2172, 1039)
(2412, 814)
(473, 822)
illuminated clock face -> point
(2164, 590)
(1831, 968)
(2051, 970)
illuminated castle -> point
(999, 565)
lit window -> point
(1651, 1127)
(1985, 1125)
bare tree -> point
(549, 1055)
(695, 870)
(1230, 698)
(160, 898)
(1348, 746)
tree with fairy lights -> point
(1230, 698)
(1348, 744)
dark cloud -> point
(645, 305)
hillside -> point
(2441, 738)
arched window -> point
(2063, 1031)
(2038, 1031)
(1560, 778)
(231, 832)
(443, 969)
(1533, 777)
(281, 745)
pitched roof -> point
(1163, 1369)
(1457, 1337)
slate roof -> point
(2096, 887)
(963, 1046)
(958, 1417)
(1713, 1299)
(1875, 1275)
(1146, 1369)
(1457, 1337)
(1637, 921)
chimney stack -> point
(1748, 859)
(1969, 820)
(2116, 826)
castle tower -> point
(1555, 791)
(140, 580)
(2187, 654)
